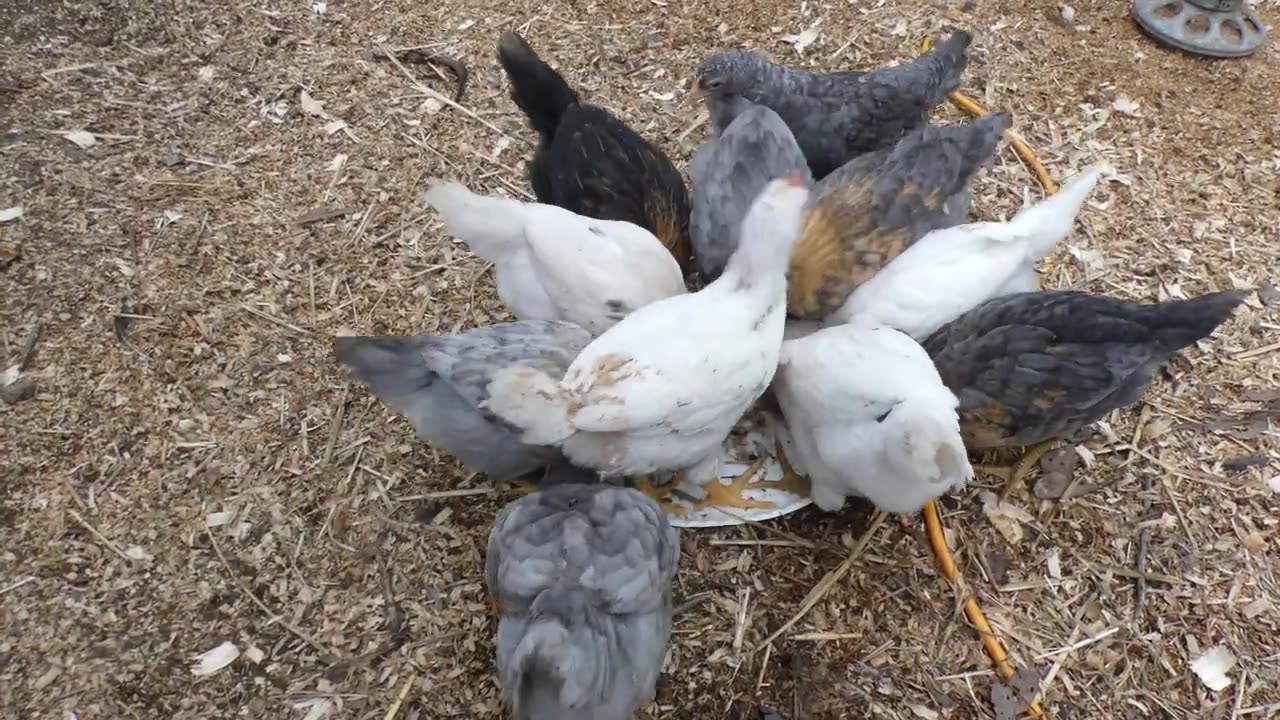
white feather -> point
(552, 264)
(663, 388)
(953, 270)
(868, 415)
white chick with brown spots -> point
(662, 389)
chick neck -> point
(759, 265)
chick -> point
(952, 270)
(878, 204)
(590, 162)
(837, 118)
(751, 146)
(1033, 368)
(441, 383)
(553, 264)
(581, 576)
(662, 389)
(868, 415)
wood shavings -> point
(1005, 516)
(316, 708)
(1196, 206)
(800, 42)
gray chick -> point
(836, 116)
(581, 576)
(440, 383)
(750, 146)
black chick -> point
(1036, 367)
(588, 161)
(838, 116)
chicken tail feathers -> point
(393, 368)
(540, 91)
(553, 667)
(1043, 225)
(984, 135)
(1179, 323)
(493, 227)
(530, 400)
(952, 58)
(536, 679)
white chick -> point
(663, 388)
(953, 270)
(868, 415)
(553, 264)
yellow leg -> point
(660, 493)
(523, 487)
(1013, 474)
(792, 481)
(721, 495)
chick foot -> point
(660, 493)
(1015, 473)
(792, 481)
(731, 495)
(522, 487)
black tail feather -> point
(953, 57)
(1180, 323)
(538, 89)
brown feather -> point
(842, 244)
(671, 232)
(986, 425)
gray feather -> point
(837, 117)
(939, 159)
(582, 577)
(729, 171)
(440, 384)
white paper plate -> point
(753, 438)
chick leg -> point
(721, 495)
(1014, 474)
(522, 487)
(792, 481)
(660, 493)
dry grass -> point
(184, 374)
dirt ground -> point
(193, 469)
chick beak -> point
(697, 94)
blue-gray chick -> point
(581, 576)
(749, 147)
(441, 383)
(838, 116)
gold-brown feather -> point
(671, 232)
(842, 244)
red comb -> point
(795, 179)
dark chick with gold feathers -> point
(590, 162)
(1034, 368)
